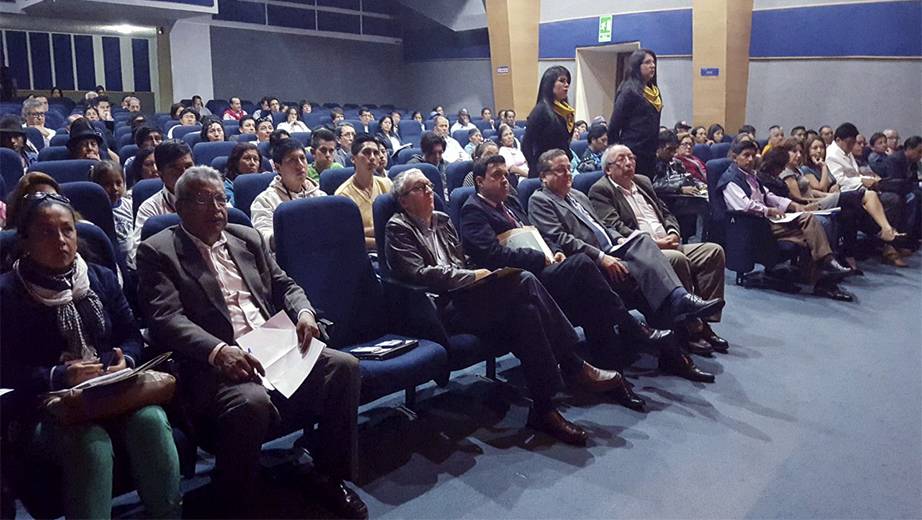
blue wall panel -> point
(291, 17)
(112, 62)
(246, 12)
(338, 22)
(140, 56)
(40, 47)
(380, 6)
(664, 32)
(872, 29)
(63, 61)
(380, 26)
(18, 55)
(342, 4)
(86, 65)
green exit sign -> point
(604, 29)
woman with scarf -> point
(66, 321)
(550, 123)
(635, 119)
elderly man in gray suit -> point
(627, 202)
(205, 283)
(636, 268)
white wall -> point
(554, 10)
(872, 94)
(190, 54)
(454, 84)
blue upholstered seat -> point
(248, 187)
(65, 171)
(331, 179)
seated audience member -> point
(323, 148)
(775, 136)
(487, 115)
(750, 130)
(576, 282)
(396, 116)
(345, 134)
(108, 174)
(364, 186)
(509, 119)
(799, 133)
(592, 158)
(627, 202)
(878, 153)
(143, 166)
(815, 165)
(811, 133)
(636, 269)
(381, 169)
(901, 176)
(454, 152)
(464, 122)
(65, 321)
(264, 129)
(236, 111)
(579, 127)
(173, 157)
(826, 134)
(238, 286)
(306, 106)
(337, 116)
(858, 152)
(247, 125)
(84, 141)
(418, 117)
(133, 104)
(104, 107)
(147, 136)
(136, 119)
(474, 138)
(33, 111)
(56, 92)
(275, 139)
(243, 159)
(515, 159)
(30, 183)
(893, 140)
(423, 249)
(212, 130)
(291, 183)
(366, 118)
(91, 114)
(685, 154)
(199, 106)
(13, 136)
(176, 111)
(263, 109)
(742, 192)
(387, 133)
(438, 111)
(699, 135)
(681, 127)
(715, 134)
(484, 150)
(189, 117)
(292, 123)
(433, 147)
(683, 193)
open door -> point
(598, 72)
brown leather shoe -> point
(890, 256)
(553, 424)
(595, 379)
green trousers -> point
(86, 452)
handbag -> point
(78, 406)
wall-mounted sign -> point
(604, 29)
(502, 70)
(712, 73)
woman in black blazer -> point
(635, 119)
(550, 123)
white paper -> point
(4, 391)
(789, 217)
(275, 344)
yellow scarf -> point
(652, 95)
(562, 109)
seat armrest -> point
(414, 311)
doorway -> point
(598, 72)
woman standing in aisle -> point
(550, 123)
(635, 119)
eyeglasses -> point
(562, 170)
(42, 195)
(36, 114)
(203, 199)
(421, 188)
(624, 159)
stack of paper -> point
(276, 346)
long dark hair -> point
(233, 160)
(546, 86)
(633, 80)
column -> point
(513, 28)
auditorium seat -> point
(230, 128)
(241, 138)
(482, 125)
(407, 153)
(124, 140)
(65, 171)
(205, 153)
(35, 137)
(11, 170)
(584, 181)
(328, 259)
(54, 153)
(430, 171)
(456, 172)
(92, 202)
(179, 132)
(526, 188)
(192, 138)
(720, 150)
(304, 137)
(248, 187)
(158, 223)
(461, 136)
(127, 152)
(578, 147)
(458, 197)
(331, 179)
(409, 128)
(143, 190)
(60, 139)
(519, 133)
(703, 152)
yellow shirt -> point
(348, 189)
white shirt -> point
(843, 168)
(514, 157)
(458, 126)
(454, 152)
(737, 200)
(297, 126)
(647, 220)
(161, 203)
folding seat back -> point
(92, 202)
(456, 172)
(192, 139)
(71, 170)
(127, 152)
(181, 131)
(35, 137)
(458, 198)
(720, 150)
(526, 188)
(331, 180)
(59, 139)
(11, 170)
(54, 153)
(584, 181)
(248, 187)
(407, 153)
(205, 153)
(143, 190)
(703, 152)
(303, 137)
(578, 147)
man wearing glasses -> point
(34, 110)
(204, 283)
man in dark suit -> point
(423, 249)
(575, 282)
(900, 175)
(566, 217)
(627, 202)
(204, 284)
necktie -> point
(509, 216)
(601, 235)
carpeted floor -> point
(816, 413)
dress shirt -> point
(454, 152)
(737, 200)
(605, 243)
(843, 168)
(501, 208)
(432, 240)
(379, 186)
(647, 221)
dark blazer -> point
(634, 123)
(615, 211)
(545, 131)
(182, 301)
(413, 261)
(897, 175)
(559, 222)
(31, 343)
(481, 223)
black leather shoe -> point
(716, 342)
(832, 291)
(699, 347)
(336, 496)
(553, 424)
(627, 398)
(836, 271)
(684, 367)
(595, 379)
(651, 336)
(692, 306)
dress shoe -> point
(651, 336)
(685, 368)
(627, 398)
(336, 496)
(832, 291)
(553, 424)
(692, 306)
(716, 342)
(891, 256)
(595, 379)
(833, 270)
(698, 347)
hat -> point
(80, 131)
(682, 124)
(11, 124)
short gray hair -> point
(398, 188)
(340, 126)
(608, 156)
(129, 99)
(196, 175)
(30, 104)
